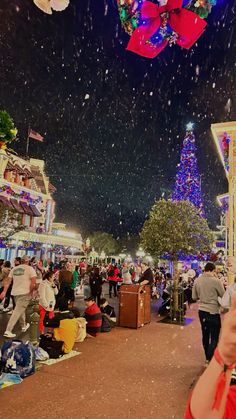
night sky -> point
(114, 122)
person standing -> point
(24, 279)
(147, 277)
(206, 289)
(47, 292)
(75, 279)
(126, 275)
(4, 275)
(95, 282)
(65, 281)
(113, 278)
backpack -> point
(18, 358)
(106, 327)
(81, 331)
(52, 347)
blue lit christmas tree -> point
(188, 181)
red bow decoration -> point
(187, 25)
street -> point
(125, 373)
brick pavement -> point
(122, 374)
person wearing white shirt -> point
(23, 279)
(47, 292)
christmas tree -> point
(188, 181)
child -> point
(47, 301)
(108, 311)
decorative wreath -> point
(152, 26)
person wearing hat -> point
(147, 274)
(23, 279)
(93, 317)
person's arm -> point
(144, 282)
(220, 288)
(204, 395)
(225, 300)
(33, 284)
(42, 296)
(7, 283)
(194, 292)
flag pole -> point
(27, 141)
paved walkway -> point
(122, 374)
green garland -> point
(8, 130)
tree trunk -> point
(175, 293)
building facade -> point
(26, 189)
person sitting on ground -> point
(65, 326)
(108, 311)
(47, 292)
(67, 331)
(93, 317)
(214, 395)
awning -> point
(35, 211)
(5, 201)
(26, 208)
(16, 205)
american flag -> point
(35, 135)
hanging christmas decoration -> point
(7, 129)
(47, 6)
(225, 145)
(153, 26)
(21, 195)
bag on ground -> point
(18, 358)
(81, 331)
(106, 327)
(41, 354)
(51, 346)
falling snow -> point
(114, 121)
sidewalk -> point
(122, 374)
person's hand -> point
(227, 343)
(2, 295)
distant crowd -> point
(56, 285)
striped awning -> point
(5, 201)
(26, 208)
(35, 211)
(17, 206)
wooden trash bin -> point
(134, 306)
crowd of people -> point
(55, 286)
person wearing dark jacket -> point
(95, 282)
(147, 274)
(108, 311)
(93, 317)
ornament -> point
(59, 5)
(152, 27)
(44, 5)
(48, 5)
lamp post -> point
(140, 253)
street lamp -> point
(140, 253)
(103, 255)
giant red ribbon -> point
(188, 26)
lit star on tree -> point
(189, 126)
